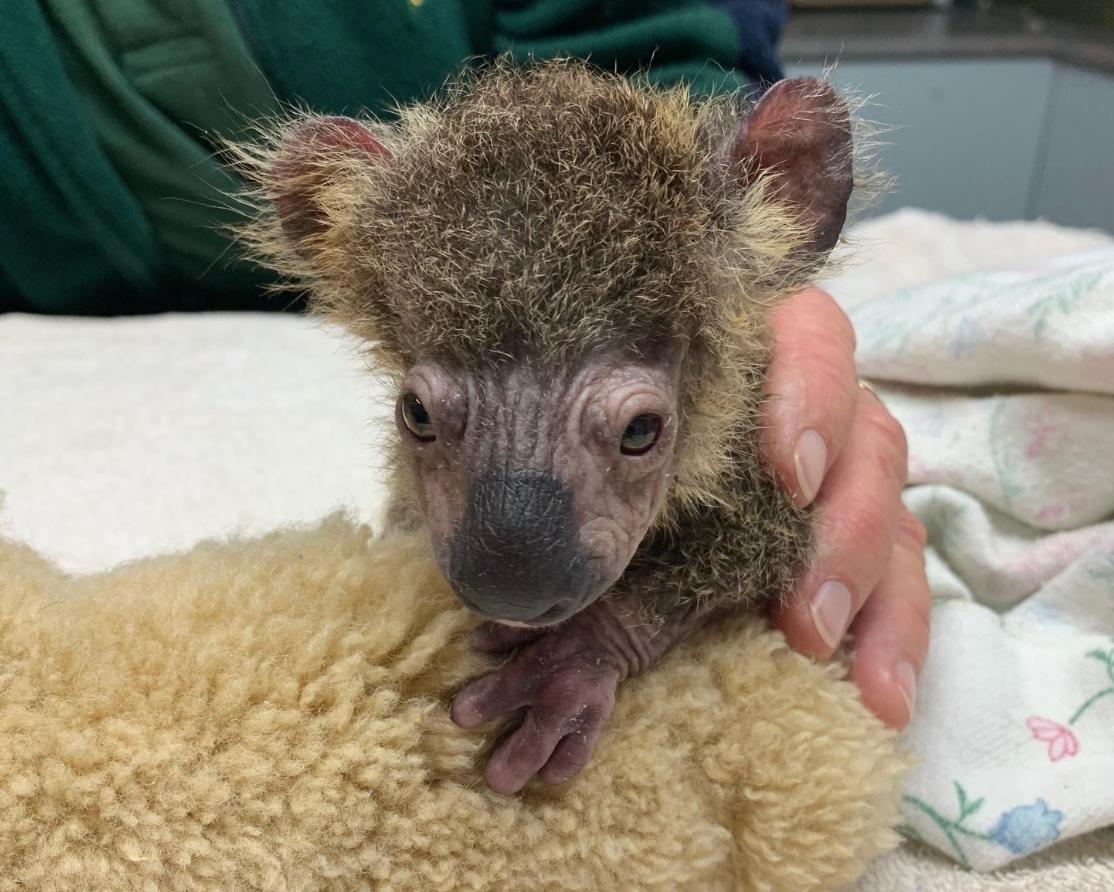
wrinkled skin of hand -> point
(564, 679)
(866, 539)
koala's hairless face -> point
(538, 485)
(566, 276)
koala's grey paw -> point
(566, 681)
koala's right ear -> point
(798, 137)
(309, 172)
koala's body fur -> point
(537, 215)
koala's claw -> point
(566, 680)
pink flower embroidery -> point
(1060, 739)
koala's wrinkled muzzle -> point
(515, 556)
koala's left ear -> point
(799, 135)
(310, 170)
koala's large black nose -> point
(514, 556)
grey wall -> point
(1075, 181)
(998, 139)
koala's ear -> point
(799, 135)
(315, 157)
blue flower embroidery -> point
(1027, 827)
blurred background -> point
(999, 110)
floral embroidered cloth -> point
(1004, 381)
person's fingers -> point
(811, 390)
(890, 633)
(856, 521)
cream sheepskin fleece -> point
(272, 714)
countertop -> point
(832, 35)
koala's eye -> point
(641, 434)
(416, 418)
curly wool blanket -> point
(273, 714)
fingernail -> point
(831, 611)
(906, 678)
(810, 459)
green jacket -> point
(111, 197)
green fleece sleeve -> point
(711, 46)
(70, 227)
(112, 197)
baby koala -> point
(566, 276)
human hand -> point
(834, 444)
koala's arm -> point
(737, 553)
(710, 560)
(565, 680)
(744, 549)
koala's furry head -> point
(550, 210)
(552, 207)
